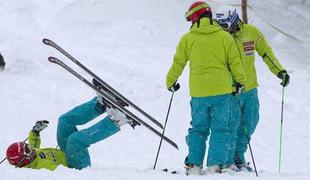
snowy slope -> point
(130, 44)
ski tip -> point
(175, 145)
(46, 41)
(52, 59)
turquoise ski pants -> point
(249, 106)
(212, 115)
(74, 142)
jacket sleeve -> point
(234, 61)
(179, 62)
(264, 50)
(34, 140)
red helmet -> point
(196, 10)
(20, 154)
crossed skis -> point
(111, 96)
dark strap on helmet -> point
(198, 22)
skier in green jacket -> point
(214, 62)
(248, 40)
(73, 143)
(22, 154)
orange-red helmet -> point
(196, 10)
(20, 154)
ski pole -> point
(248, 138)
(250, 147)
(162, 135)
(281, 130)
(5, 157)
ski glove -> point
(2, 63)
(39, 126)
(285, 78)
(239, 88)
(176, 86)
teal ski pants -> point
(75, 142)
(249, 106)
(213, 115)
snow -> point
(130, 44)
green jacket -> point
(248, 39)
(213, 59)
(48, 158)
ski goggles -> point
(229, 22)
(28, 156)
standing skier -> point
(248, 39)
(214, 61)
(2, 63)
(73, 152)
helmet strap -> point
(30, 158)
(198, 23)
(241, 24)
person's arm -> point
(264, 50)
(34, 140)
(234, 62)
(179, 62)
(34, 135)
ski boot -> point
(213, 169)
(191, 169)
(232, 168)
(244, 167)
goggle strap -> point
(21, 161)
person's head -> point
(228, 18)
(20, 154)
(197, 11)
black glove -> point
(2, 63)
(239, 88)
(285, 78)
(176, 86)
(39, 126)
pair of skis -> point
(110, 96)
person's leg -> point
(234, 125)
(221, 138)
(249, 120)
(77, 116)
(199, 132)
(76, 150)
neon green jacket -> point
(48, 158)
(213, 59)
(249, 39)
